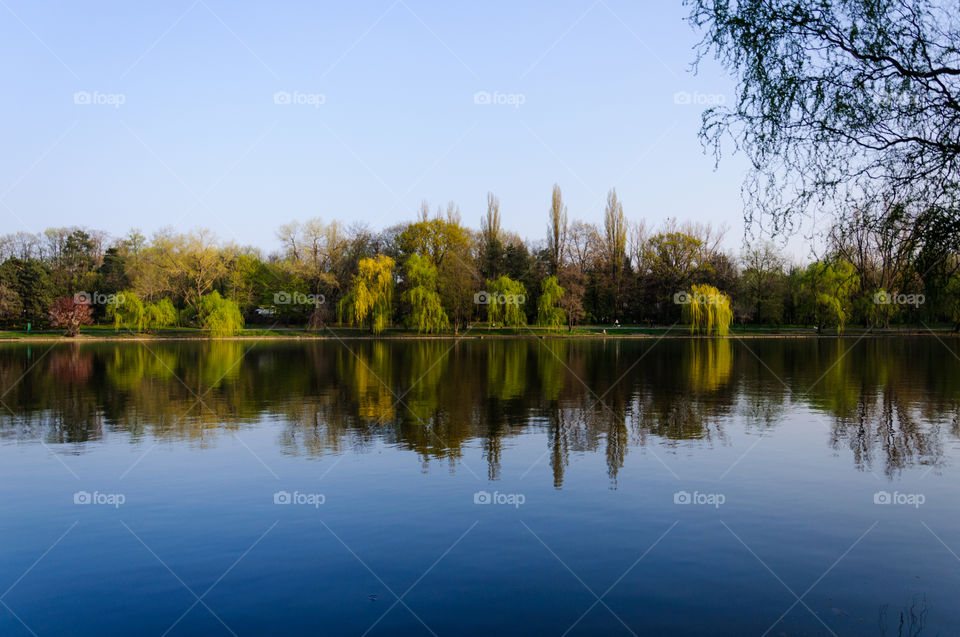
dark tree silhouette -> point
(847, 103)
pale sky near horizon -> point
(242, 116)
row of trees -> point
(436, 274)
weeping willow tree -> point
(505, 298)
(131, 313)
(826, 293)
(127, 311)
(707, 310)
(427, 314)
(371, 293)
(548, 314)
(159, 314)
(219, 315)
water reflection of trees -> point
(891, 402)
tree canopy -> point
(852, 103)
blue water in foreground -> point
(681, 487)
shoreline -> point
(679, 334)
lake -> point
(794, 486)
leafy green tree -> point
(826, 293)
(707, 310)
(449, 246)
(160, 314)
(371, 295)
(31, 280)
(10, 304)
(672, 261)
(130, 312)
(127, 311)
(548, 314)
(113, 272)
(505, 302)
(220, 316)
(427, 314)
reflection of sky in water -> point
(599, 438)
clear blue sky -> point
(199, 141)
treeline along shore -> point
(437, 276)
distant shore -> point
(104, 334)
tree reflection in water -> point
(892, 402)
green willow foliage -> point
(220, 316)
(427, 314)
(505, 302)
(328, 273)
(371, 296)
(826, 293)
(548, 314)
(129, 312)
(707, 310)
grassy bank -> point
(98, 333)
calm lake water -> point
(510, 487)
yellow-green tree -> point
(506, 299)
(220, 316)
(826, 292)
(371, 293)
(130, 312)
(160, 314)
(427, 314)
(127, 311)
(707, 310)
(548, 314)
(448, 245)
